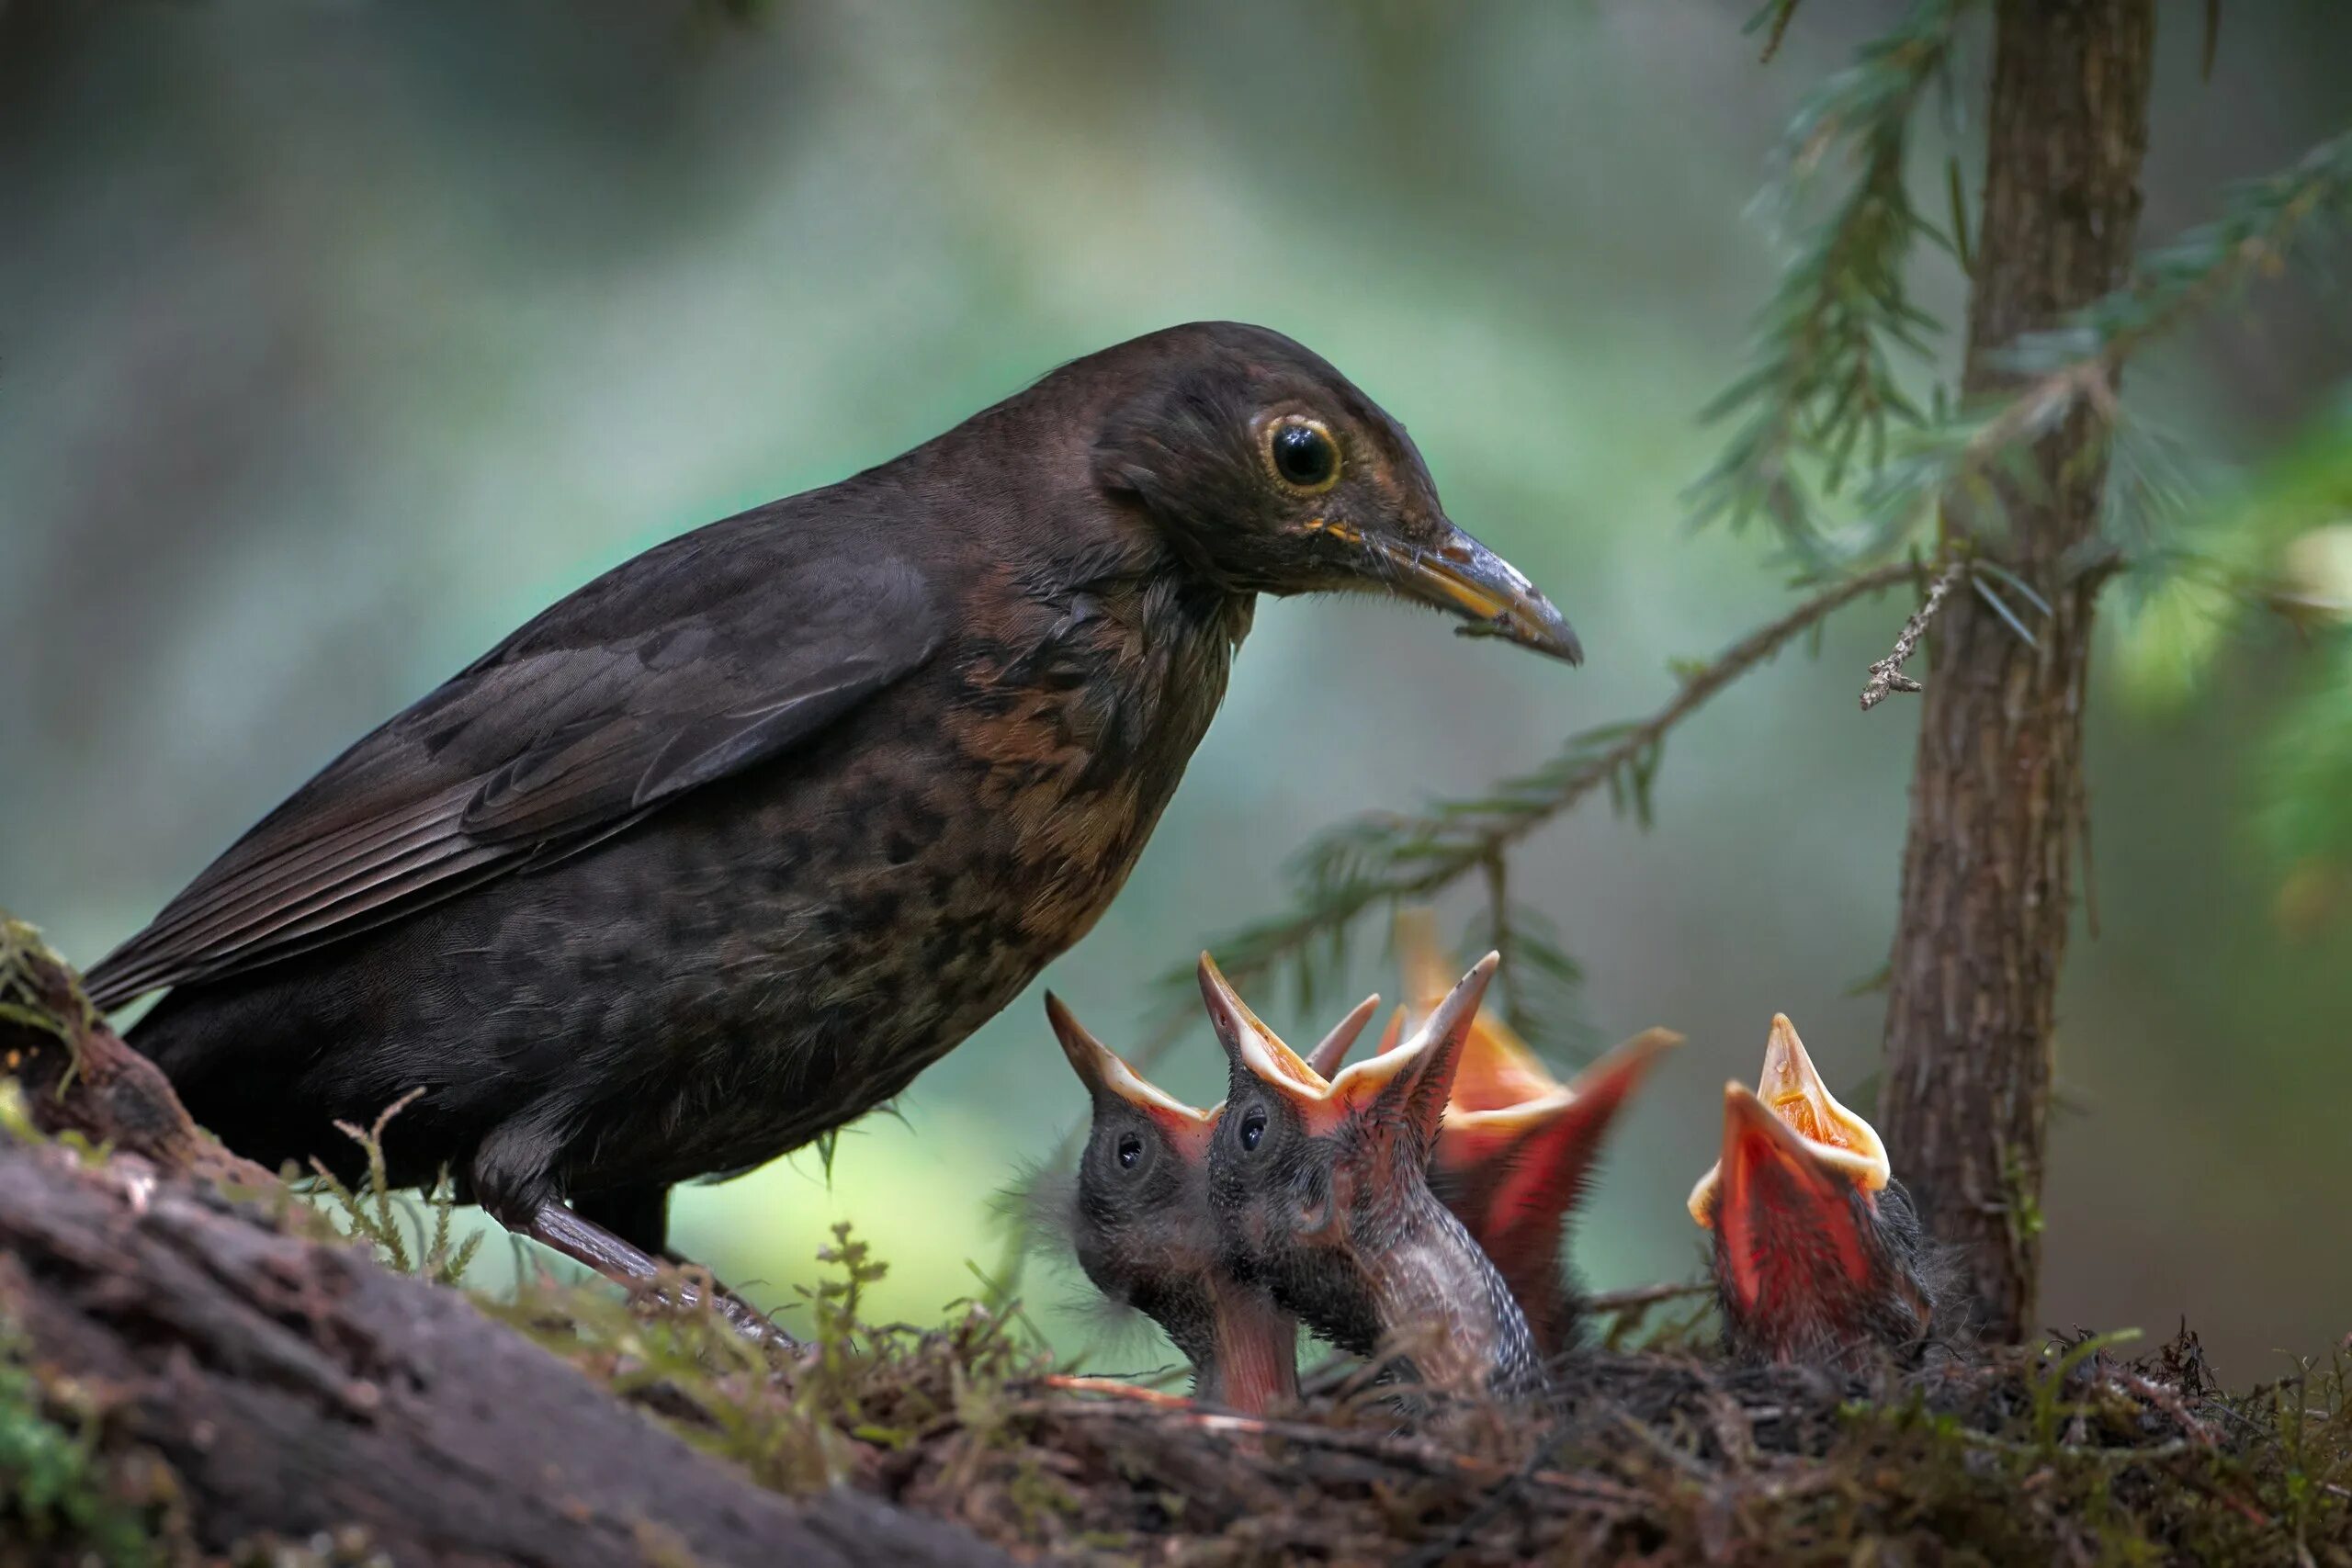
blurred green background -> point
(337, 338)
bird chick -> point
(1819, 1257)
(1138, 1216)
(1516, 1151)
(1321, 1196)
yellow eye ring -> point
(1302, 453)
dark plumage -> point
(1818, 1256)
(723, 848)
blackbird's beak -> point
(1408, 1083)
(1412, 1076)
(1547, 1145)
(1333, 1049)
(1502, 1088)
(1463, 577)
(1796, 1093)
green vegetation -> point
(64, 1492)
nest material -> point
(2065, 1455)
(2069, 1453)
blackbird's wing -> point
(692, 662)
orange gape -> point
(1816, 1254)
(1517, 1147)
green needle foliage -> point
(1821, 392)
(1947, 468)
(1373, 863)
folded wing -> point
(646, 684)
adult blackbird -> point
(723, 848)
(1819, 1257)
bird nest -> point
(2075, 1451)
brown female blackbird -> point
(1320, 1198)
(723, 850)
(1138, 1216)
(1819, 1257)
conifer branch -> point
(1772, 21)
(1820, 379)
(1887, 674)
(1385, 859)
(1951, 463)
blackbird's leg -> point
(512, 1181)
(638, 1215)
(584, 1241)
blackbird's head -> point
(1269, 472)
(1819, 1257)
(1320, 1195)
(1517, 1149)
(1140, 1224)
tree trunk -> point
(1998, 793)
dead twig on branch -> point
(1887, 674)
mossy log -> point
(287, 1388)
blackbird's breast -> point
(968, 829)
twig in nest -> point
(1115, 1389)
(1887, 674)
(1410, 1454)
(1643, 1296)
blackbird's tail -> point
(220, 1063)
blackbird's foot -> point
(584, 1241)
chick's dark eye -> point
(1130, 1151)
(1253, 1127)
(1303, 454)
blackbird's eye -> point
(1130, 1152)
(1303, 453)
(1253, 1127)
